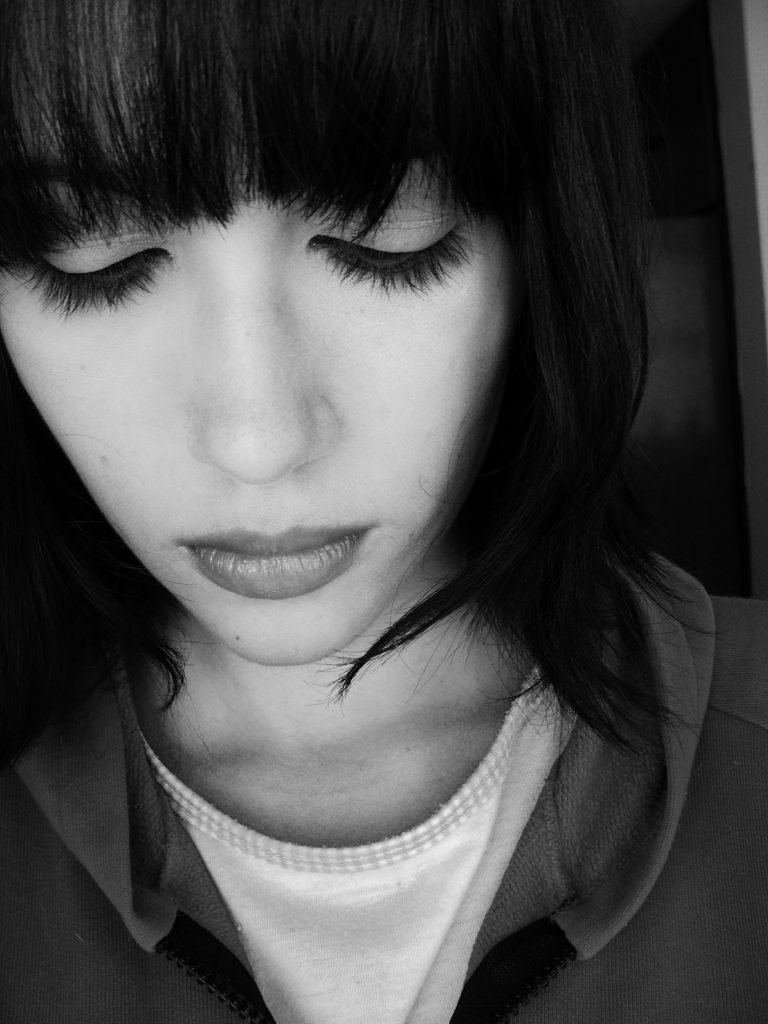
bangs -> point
(179, 109)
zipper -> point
(513, 973)
(220, 973)
(536, 984)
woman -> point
(334, 672)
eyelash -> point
(394, 271)
(113, 286)
(108, 288)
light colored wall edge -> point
(740, 44)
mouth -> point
(274, 568)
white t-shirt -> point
(380, 933)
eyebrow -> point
(418, 222)
(125, 216)
(120, 212)
(47, 173)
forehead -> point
(179, 109)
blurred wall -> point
(688, 469)
(739, 30)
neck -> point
(235, 704)
(410, 730)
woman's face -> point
(281, 422)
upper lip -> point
(263, 545)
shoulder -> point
(740, 667)
(712, 651)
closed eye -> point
(106, 288)
(415, 270)
(112, 286)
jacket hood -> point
(606, 819)
(92, 781)
(683, 643)
(591, 853)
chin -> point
(299, 641)
(332, 624)
(334, 660)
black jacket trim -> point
(514, 971)
(210, 963)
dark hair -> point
(521, 108)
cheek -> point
(433, 419)
(71, 399)
(467, 377)
(48, 361)
(473, 388)
(91, 412)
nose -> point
(259, 410)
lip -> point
(276, 567)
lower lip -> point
(277, 577)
